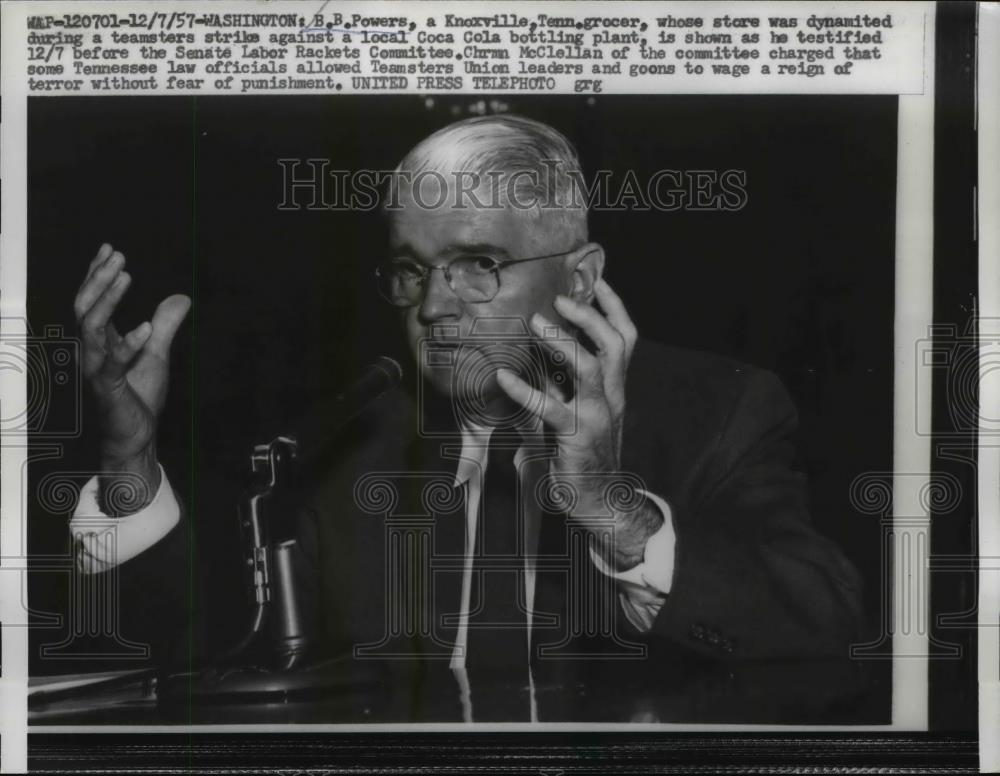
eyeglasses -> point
(474, 277)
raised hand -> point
(589, 430)
(127, 374)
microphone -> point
(275, 651)
(313, 432)
(271, 500)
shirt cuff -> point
(656, 572)
(101, 542)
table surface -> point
(789, 693)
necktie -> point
(497, 646)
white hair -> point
(521, 157)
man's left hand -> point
(588, 429)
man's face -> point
(476, 337)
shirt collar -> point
(475, 445)
(475, 449)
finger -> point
(613, 307)
(556, 392)
(553, 413)
(609, 342)
(94, 322)
(92, 357)
(95, 348)
(556, 339)
(585, 368)
(169, 315)
(111, 335)
(122, 354)
(613, 350)
(94, 328)
(103, 254)
(95, 286)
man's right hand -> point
(128, 377)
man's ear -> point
(586, 264)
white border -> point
(911, 451)
(988, 123)
(13, 252)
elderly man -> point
(534, 403)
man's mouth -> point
(444, 336)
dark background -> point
(800, 281)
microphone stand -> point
(270, 660)
(269, 570)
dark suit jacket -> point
(752, 579)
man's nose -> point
(439, 300)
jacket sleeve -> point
(159, 595)
(752, 577)
(164, 603)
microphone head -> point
(318, 429)
(393, 371)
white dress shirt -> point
(101, 542)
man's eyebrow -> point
(475, 247)
(406, 251)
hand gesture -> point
(127, 374)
